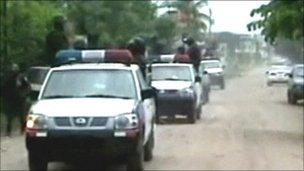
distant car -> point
(36, 76)
(296, 84)
(178, 90)
(278, 74)
(89, 110)
(215, 69)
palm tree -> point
(193, 21)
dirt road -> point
(246, 126)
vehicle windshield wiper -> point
(176, 79)
(107, 96)
(58, 96)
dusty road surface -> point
(246, 126)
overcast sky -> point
(233, 16)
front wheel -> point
(192, 117)
(199, 113)
(222, 85)
(149, 147)
(291, 98)
(36, 161)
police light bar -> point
(153, 58)
(167, 58)
(93, 56)
(183, 58)
(67, 56)
(118, 56)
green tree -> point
(27, 24)
(279, 19)
(194, 20)
(112, 23)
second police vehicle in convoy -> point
(215, 70)
(94, 103)
(179, 90)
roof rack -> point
(64, 57)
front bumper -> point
(277, 79)
(68, 145)
(216, 79)
(171, 103)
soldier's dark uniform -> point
(194, 53)
(138, 49)
(15, 91)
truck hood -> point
(214, 70)
(83, 107)
(171, 85)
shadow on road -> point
(87, 165)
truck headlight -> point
(219, 73)
(36, 121)
(188, 90)
(126, 121)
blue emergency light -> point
(93, 56)
(67, 57)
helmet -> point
(137, 46)
(15, 67)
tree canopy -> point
(279, 19)
(105, 24)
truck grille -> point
(62, 121)
(80, 121)
(99, 121)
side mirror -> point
(290, 75)
(148, 93)
(205, 72)
(198, 79)
(267, 72)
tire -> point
(222, 84)
(148, 153)
(157, 119)
(198, 113)
(136, 161)
(36, 161)
(205, 96)
(291, 98)
(192, 117)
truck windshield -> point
(213, 64)
(299, 72)
(178, 73)
(90, 83)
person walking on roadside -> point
(15, 91)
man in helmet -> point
(194, 52)
(137, 47)
(56, 39)
(15, 91)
